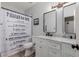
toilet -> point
(28, 49)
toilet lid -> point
(28, 45)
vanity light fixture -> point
(58, 5)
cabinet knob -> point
(73, 46)
(77, 47)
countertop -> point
(59, 39)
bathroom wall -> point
(37, 12)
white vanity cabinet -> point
(54, 47)
(68, 51)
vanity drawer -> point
(53, 52)
(54, 44)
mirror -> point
(49, 22)
(69, 20)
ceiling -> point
(18, 6)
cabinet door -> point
(68, 51)
(54, 44)
(38, 47)
(39, 51)
(41, 48)
(77, 53)
(54, 48)
(53, 52)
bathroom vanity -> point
(55, 47)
